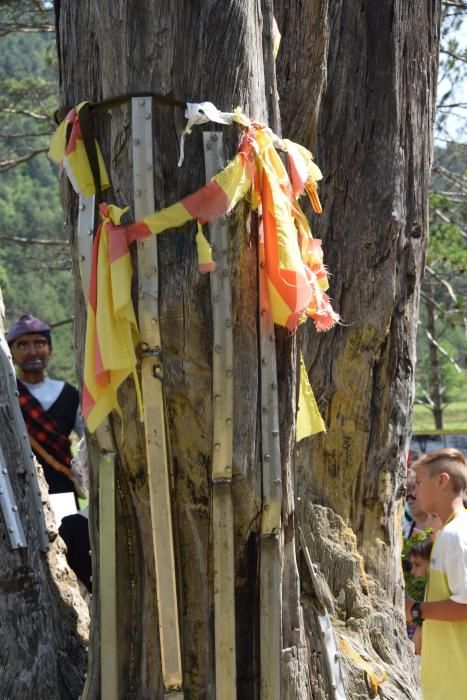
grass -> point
(454, 417)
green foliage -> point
(33, 278)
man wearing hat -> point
(50, 407)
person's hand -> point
(408, 607)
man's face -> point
(427, 489)
(412, 502)
(31, 352)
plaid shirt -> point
(43, 428)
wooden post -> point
(154, 404)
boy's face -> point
(427, 489)
(418, 565)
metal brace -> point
(222, 508)
(270, 555)
(8, 504)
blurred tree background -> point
(35, 268)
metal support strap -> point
(328, 642)
(222, 512)
(270, 566)
(9, 508)
(154, 404)
(8, 504)
(107, 505)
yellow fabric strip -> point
(353, 655)
(309, 421)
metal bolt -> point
(215, 297)
(141, 103)
(137, 193)
(149, 167)
(264, 361)
(228, 323)
(4, 471)
(208, 146)
(275, 433)
(82, 258)
(267, 458)
(261, 264)
(225, 272)
(90, 232)
(274, 386)
(228, 421)
(136, 142)
(229, 372)
(217, 446)
(14, 508)
(217, 397)
(218, 348)
(10, 529)
(265, 409)
(228, 469)
(277, 481)
(214, 137)
(82, 207)
(147, 116)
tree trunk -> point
(43, 635)
(374, 148)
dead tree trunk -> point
(43, 631)
(375, 151)
(373, 83)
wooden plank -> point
(154, 403)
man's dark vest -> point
(62, 417)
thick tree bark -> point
(43, 631)
(372, 69)
(374, 82)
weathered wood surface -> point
(369, 122)
(362, 79)
(43, 619)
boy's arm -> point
(444, 610)
(441, 610)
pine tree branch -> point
(452, 3)
(455, 56)
(25, 113)
(9, 164)
(32, 241)
(442, 281)
(440, 349)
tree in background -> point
(442, 365)
(357, 84)
(34, 255)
